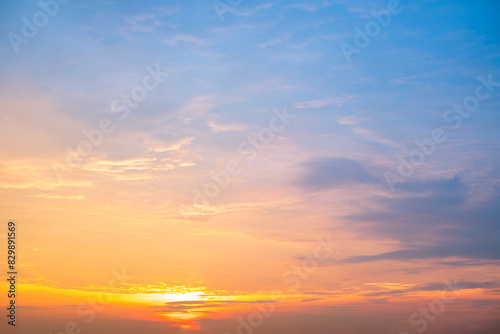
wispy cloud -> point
(336, 101)
(216, 127)
(305, 7)
(251, 11)
(186, 39)
(325, 173)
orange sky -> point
(256, 168)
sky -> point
(229, 166)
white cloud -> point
(337, 101)
(216, 127)
(275, 41)
(185, 38)
(249, 12)
(349, 120)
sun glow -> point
(153, 296)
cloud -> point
(305, 6)
(168, 10)
(249, 12)
(49, 196)
(431, 195)
(142, 22)
(325, 173)
(432, 221)
(185, 38)
(350, 120)
(191, 305)
(216, 127)
(478, 250)
(275, 41)
(458, 285)
(337, 101)
(197, 106)
(47, 185)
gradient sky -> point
(331, 168)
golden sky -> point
(234, 167)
